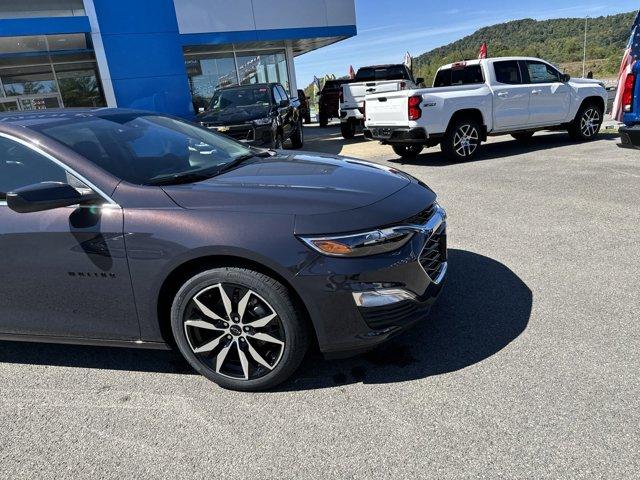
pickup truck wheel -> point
(523, 137)
(278, 142)
(407, 151)
(348, 129)
(587, 123)
(323, 119)
(462, 140)
(297, 138)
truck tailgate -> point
(355, 92)
(387, 109)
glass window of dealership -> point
(96, 53)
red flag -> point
(483, 50)
(352, 73)
(626, 67)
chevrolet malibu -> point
(128, 228)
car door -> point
(63, 272)
(550, 98)
(510, 96)
(286, 112)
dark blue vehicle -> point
(130, 228)
(630, 132)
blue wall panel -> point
(144, 53)
(15, 27)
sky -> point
(387, 29)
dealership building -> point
(162, 55)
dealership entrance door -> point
(30, 102)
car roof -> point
(251, 85)
(41, 117)
(476, 61)
(388, 65)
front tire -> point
(323, 119)
(348, 129)
(586, 126)
(297, 138)
(462, 141)
(239, 328)
(278, 141)
(407, 151)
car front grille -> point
(237, 132)
(422, 217)
(434, 253)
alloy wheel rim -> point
(466, 140)
(234, 331)
(590, 122)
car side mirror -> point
(46, 196)
(285, 103)
(419, 81)
(565, 77)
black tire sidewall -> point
(447, 146)
(348, 130)
(297, 139)
(296, 336)
(404, 151)
(575, 130)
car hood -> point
(236, 115)
(301, 184)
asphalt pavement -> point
(528, 368)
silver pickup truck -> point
(370, 80)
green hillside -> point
(559, 41)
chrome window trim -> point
(35, 148)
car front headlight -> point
(362, 244)
(263, 121)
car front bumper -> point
(360, 303)
(630, 137)
(250, 134)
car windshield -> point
(147, 149)
(370, 74)
(240, 97)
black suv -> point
(260, 115)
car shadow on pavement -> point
(433, 157)
(483, 307)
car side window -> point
(276, 95)
(508, 72)
(21, 166)
(539, 72)
(283, 92)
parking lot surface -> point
(528, 368)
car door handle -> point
(503, 94)
(536, 92)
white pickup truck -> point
(368, 80)
(474, 99)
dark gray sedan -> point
(129, 228)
